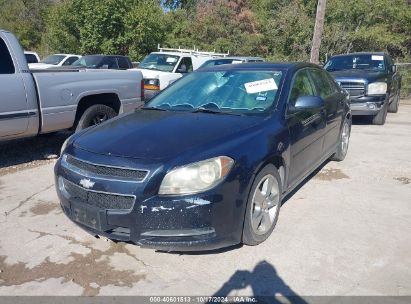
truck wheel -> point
(343, 142)
(393, 107)
(380, 118)
(263, 206)
(95, 115)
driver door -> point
(306, 129)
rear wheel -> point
(344, 141)
(393, 107)
(380, 118)
(95, 115)
(263, 206)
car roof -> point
(260, 66)
(359, 53)
(237, 57)
(101, 55)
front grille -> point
(98, 199)
(108, 171)
(354, 88)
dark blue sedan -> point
(207, 162)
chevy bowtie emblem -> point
(86, 183)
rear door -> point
(306, 129)
(13, 103)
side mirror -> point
(308, 103)
(394, 68)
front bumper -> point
(199, 222)
(367, 105)
(149, 94)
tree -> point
(25, 18)
(318, 31)
(129, 27)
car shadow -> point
(26, 150)
(267, 286)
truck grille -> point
(98, 199)
(137, 175)
(354, 88)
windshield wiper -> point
(211, 111)
(154, 109)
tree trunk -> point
(318, 31)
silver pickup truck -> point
(38, 102)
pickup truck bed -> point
(35, 102)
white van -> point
(162, 68)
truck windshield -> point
(53, 59)
(359, 62)
(159, 62)
(230, 92)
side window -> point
(301, 87)
(123, 63)
(31, 58)
(186, 65)
(325, 86)
(6, 63)
(109, 63)
(70, 60)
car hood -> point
(152, 74)
(40, 65)
(354, 74)
(159, 135)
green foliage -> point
(275, 29)
(129, 27)
(25, 18)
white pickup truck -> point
(36, 102)
(162, 68)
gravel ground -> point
(31, 152)
(345, 232)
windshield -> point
(359, 62)
(53, 59)
(214, 62)
(91, 62)
(160, 62)
(235, 92)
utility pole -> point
(318, 31)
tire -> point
(263, 208)
(343, 141)
(393, 107)
(95, 115)
(380, 118)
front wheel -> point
(393, 107)
(381, 116)
(95, 115)
(263, 206)
(343, 142)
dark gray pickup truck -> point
(372, 81)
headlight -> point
(377, 88)
(64, 146)
(151, 84)
(196, 177)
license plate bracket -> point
(85, 215)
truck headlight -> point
(377, 88)
(196, 177)
(151, 84)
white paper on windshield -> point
(171, 60)
(236, 62)
(377, 57)
(260, 86)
